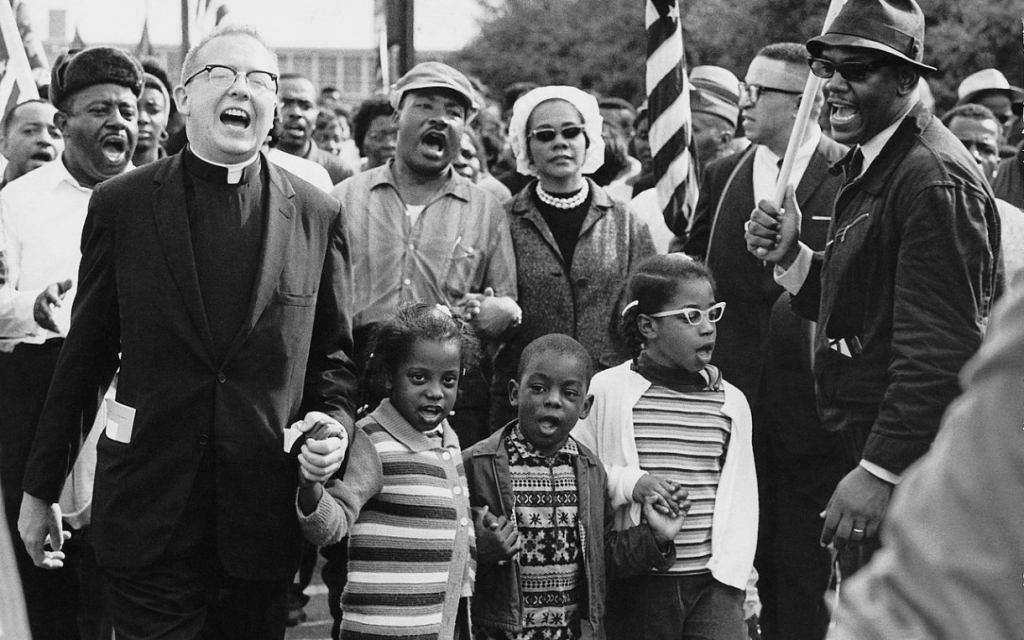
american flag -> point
(206, 15)
(668, 98)
(16, 81)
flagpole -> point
(185, 44)
(803, 115)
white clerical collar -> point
(234, 170)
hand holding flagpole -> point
(803, 116)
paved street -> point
(318, 622)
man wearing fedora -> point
(902, 291)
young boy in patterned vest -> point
(543, 521)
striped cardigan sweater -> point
(411, 551)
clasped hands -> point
(324, 450)
(490, 315)
(664, 507)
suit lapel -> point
(276, 237)
(814, 175)
(171, 218)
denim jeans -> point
(690, 607)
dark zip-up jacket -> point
(902, 292)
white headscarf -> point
(585, 103)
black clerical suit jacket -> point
(139, 297)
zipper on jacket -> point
(841, 234)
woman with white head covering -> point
(574, 245)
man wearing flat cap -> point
(422, 232)
(219, 285)
(902, 291)
(43, 213)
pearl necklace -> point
(564, 203)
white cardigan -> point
(608, 431)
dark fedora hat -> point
(895, 27)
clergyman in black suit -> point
(219, 284)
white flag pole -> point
(803, 116)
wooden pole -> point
(803, 115)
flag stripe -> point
(672, 116)
(658, 33)
(668, 102)
(675, 147)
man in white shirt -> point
(763, 348)
(904, 287)
(95, 92)
(29, 138)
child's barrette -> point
(628, 307)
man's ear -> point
(725, 137)
(907, 79)
(645, 324)
(181, 99)
(513, 392)
(60, 120)
(587, 404)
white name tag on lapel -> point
(120, 421)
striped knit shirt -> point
(683, 436)
(411, 549)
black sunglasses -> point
(852, 71)
(569, 132)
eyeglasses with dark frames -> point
(546, 134)
(852, 70)
(222, 76)
(754, 91)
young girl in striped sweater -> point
(403, 499)
(664, 420)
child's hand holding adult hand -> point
(663, 526)
(665, 495)
(496, 538)
(324, 449)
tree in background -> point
(596, 45)
(599, 45)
